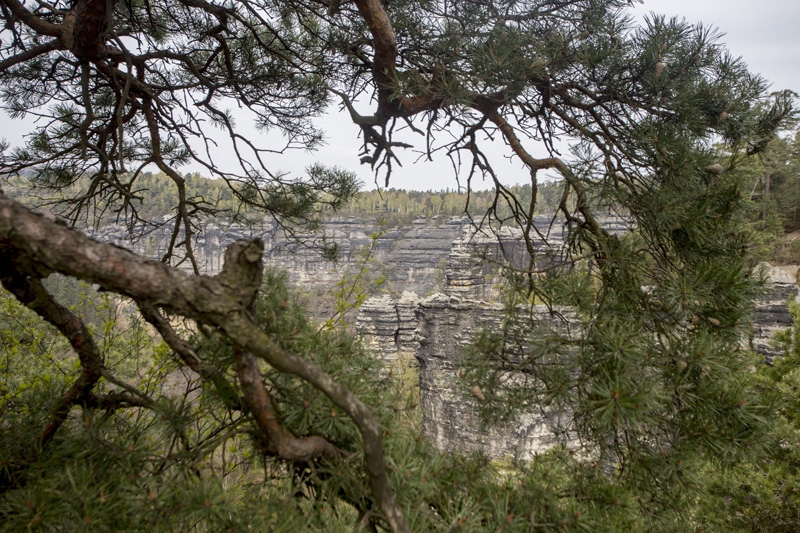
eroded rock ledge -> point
(426, 257)
(436, 329)
(771, 313)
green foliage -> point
(399, 207)
(656, 393)
(356, 284)
(654, 384)
(763, 495)
(189, 461)
(771, 212)
(184, 461)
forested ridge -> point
(158, 198)
(770, 184)
(181, 401)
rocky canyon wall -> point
(411, 258)
(441, 281)
(436, 330)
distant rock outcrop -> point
(409, 258)
(474, 259)
(435, 330)
(771, 314)
(444, 324)
(458, 265)
(387, 326)
(450, 419)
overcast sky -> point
(763, 32)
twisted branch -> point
(220, 302)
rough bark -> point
(278, 439)
(83, 31)
(222, 302)
(23, 280)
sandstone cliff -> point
(444, 324)
(771, 313)
(409, 258)
(444, 255)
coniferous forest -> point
(143, 394)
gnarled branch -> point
(206, 300)
(22, 278)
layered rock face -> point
(444, 324)
(477, 256)
(771, 314)
(435, 330)
(209, 248)
(387, 326)
(429, 256)
(409, 258)
(450, 419)
(474, 260)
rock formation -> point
(476, 258)
(771, 314)
(387, 326)
(409, 258)
(444, 324)
(430, 256)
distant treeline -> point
(153, 196)
(156, 196)
(450, 202)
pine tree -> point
(652, 382)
